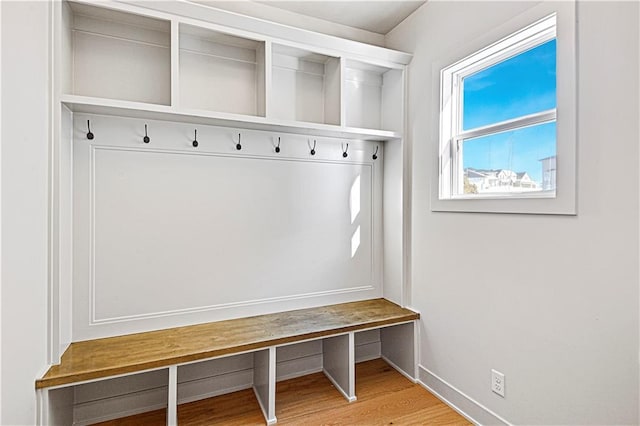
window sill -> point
(506, 196)
(544, 205)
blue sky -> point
(518, 86)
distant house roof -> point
(483, 172)
(499, 180)
(471, 173)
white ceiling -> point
(378, 16)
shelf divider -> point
(175, 63)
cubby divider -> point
(264, 382)
(338, 355)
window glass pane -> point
(521, 85)
(521, 160)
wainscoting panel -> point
(167, 234)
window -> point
(526, 156)
(498, 119)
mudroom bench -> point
(335, 325)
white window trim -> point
(531, 28)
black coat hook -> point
(89, 134)
(344, 153)
(313, 150)
(238, 146)
(375, 154)
(278, 146)
(195, 138)
(146, 138)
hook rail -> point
(195, 143)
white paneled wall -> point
(167, 234)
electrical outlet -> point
(497, 382)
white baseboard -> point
(469, 408)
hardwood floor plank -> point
(306, 396)
(374, 378)
(377, 411)
(385, 397)
(440, 415)
(237, 408)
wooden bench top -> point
(100, 358)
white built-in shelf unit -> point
(165, 231)
(129, 61)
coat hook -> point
(238, 146)
(89, 134)
(278, 147)
(146, 138)
(344, 153)
(375, 154)
(195, 138)
(313, 150)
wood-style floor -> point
(385, 397)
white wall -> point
(564, 329)
(24, 190)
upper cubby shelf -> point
(221, 72)
(373, 96)
(114, 59)
(305, 86)
(115, 55)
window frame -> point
(536, 26)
